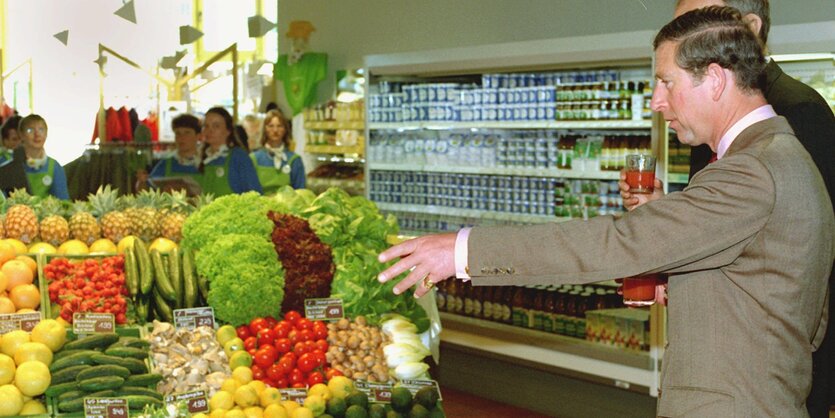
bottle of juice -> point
(467, 297)
(487, 303)
(519, 312)
(538, 311)
(440, 295)
(571, 312)
(506, 302)
(560, 307)
(477, 301)
(549, 309)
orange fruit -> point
(18, 245)
(18, 273)
(7, 252)
(4, 282)
(6, 306)
(29, 261)
(25, 296)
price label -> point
(376, 392)
(105, 408)
(293, 394)
(196, 400)
(24, 321)
(323, 309)
(415, 385)
(93, 323)
(191, 318)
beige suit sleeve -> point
(703, 227)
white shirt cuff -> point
(461, 253)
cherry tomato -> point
(306, 335)
(264, 358)
(256, 324)
(275, 372)
(282, 345)
(322, 345)
(319, 356)
(257, 372)
(292, 356)
(266, 336)
(270, 350)
(320, 332)
(292, 316)
(282, 329)
(299, 385)
(250, 342)
(286, 366)
(304, 323)
(243, 332)
(306, 363)
(252, 351)
(282, 383)
(314, 378)
(309, 346)
(330, 373)
(271, 322)
(299, 349)
(294, 337)
(296, 376)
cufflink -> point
(467, 270)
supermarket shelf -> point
(500, 171)
(597, 124)
(331, 125)
(469, 213)
(571, 356)
(680, 178)
(334, 182)
(333, 149)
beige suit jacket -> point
(748, 246)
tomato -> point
(252, 351)
(250, 342)
(314, 378)
(294, 336)
(275, 372)
(282, 345)
(257, 372)
(292, 316)
(330, 373)
(266, 336)
(305, 335)
(320, 332)
(282, 329)
(243, 332)
(270, 350)
(256, 324)
(282, 383)
(322, 345)
(304, 323)
(271, 322)
(286, 365)
(296, 376)
(306, 363)
(319, 356)
(264, 358)
(299, 349)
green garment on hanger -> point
(300, 79)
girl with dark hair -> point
(276, 165)
(224, 164)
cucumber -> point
(56, 390)
(134, 365)
(92, 341)
(166, 289)
(176, 277)
(64, 353)
(143, 261)
(131, 273)
(135, 342)
(68, 374)
(143, 380)
(103, 370)
(73, 394)
(101, 383)
(190, 287)
(138, 390)
(161, 307)
(132, 352)
(108, 393)
(140, 401)
(72, 360)
(142, 307)
(71, 405)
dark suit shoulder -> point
(783, 92)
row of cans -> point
(433, 94)
(513, 80)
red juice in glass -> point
(640, 173)
(639, 291)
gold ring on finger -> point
(428, 284)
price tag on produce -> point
(376, 392)
(93, 323)
(323, 309)
(105, 408)
(196, 400)
(24, 321)
(191, 318)
(293, 394)
(415, 385)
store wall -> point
(349, 30)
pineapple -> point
(143, 215)
(54, 228)
(114, 223)
(83, 225)
(2, 227)
(174, 215)
(21, 222)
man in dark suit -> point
(12, 158)
(749, 244)
(814, 125)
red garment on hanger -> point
(152, 122)
(126, 133)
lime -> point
(437, 413)
(357, 398)
(393, 414)
(401, 399)
(337, 407)
(356, 411)
(377, 411)
(427, 397)
(418, 411)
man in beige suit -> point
(748, 245)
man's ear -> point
(718, 79)
(754, 23)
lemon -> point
(240, 359)
(230, 385)
(242, 375)
(42, 248)
(50, 332)
(103, 246)
(12, 341)
(18, 245)
(258, 385)
(340, 386)
(200, 415)
(246, 396)
(234, 413)
(302, 412)
(275, 411)
(33, 407)
(222, 400)
(11, 401)
(225, 333)
(217, 413)
(73, 247)
(33, 352)
(163, 245)
(125, 243)
(270, 396)
(32, 378)
(7, 369)
(290, 406)
(254, 412)
(320, 389)
(316, 404)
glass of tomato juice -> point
(640, 173)
(639, 290)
